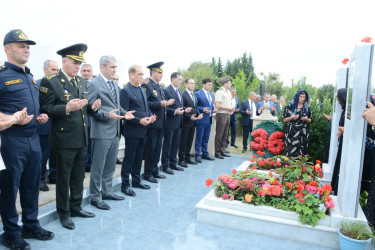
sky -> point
(291, 38)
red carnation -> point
(318, 162)
(209, 182)
(301, 200)
(313, 183)
(234, 171)
(345, 61)
(366, 39)
(289, 184)
(225, 196)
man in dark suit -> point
(86, 73)
(233, 118)
(105, 132)
(133, 97)
(188, 126)
(49, 67)
(248, 110)
(173, 124)
(207, 107)
(63, 97)
(157, 103)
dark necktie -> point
(178, 94)
(73, 82)
(113, 90)
(192, 96)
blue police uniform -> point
(20, 150)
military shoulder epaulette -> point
(147, 81)
(2, 68)
(52, 76)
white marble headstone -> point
(359, 87)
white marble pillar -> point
(359, 86)
(341, 82)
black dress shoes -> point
(226, 151)
(198, 159)
(113, 197)
(82, 213)
(182, 164)
(177, 168)
(207, 157)
(244, 150)
(118, 161)
(39, 234)
(168, 171)
(159, 176)
(16, 243)
(233, 145)
(100, 205)
(128, 191)
(225, 154)
(219, 156)
(150, 178)
(43, 187)
(140, 185)
(189, 161)
(67, 223)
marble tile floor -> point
(162, 218)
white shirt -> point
(251, 103)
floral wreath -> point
(275, 143)
(260, 139)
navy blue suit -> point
(172, 132)
(247, 123)
(133, 98)
(20, 150)
(203, 125)
(47, 153)
(155, 133)
(233, 123)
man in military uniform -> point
(155, 132)
(20, 148)
(63, 97)
(223, 102)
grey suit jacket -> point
(101, 126)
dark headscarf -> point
(294, 103)
(341, 96)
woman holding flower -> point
(297, 115)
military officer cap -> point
(224, 79)
(156, 66)
(17, 36)
(75, 52)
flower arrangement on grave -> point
(269, 163)
(294, 187)
(267, 137)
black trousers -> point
(246, 131)
(153, 150)
(171, 144)
(70, 168)
(132, 163)
(187, 136)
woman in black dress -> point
(341, 98)
(297, 115)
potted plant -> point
(355, 235)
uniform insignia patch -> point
(13, 82)
(67, 97)
(52, 76)
(2, 68)
(62, 80)
(35, 82)
(66, 92)
(155, 93)
(43, 89)
(146, 81)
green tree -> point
(274, 85)
(326, 91)
(198, 71)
